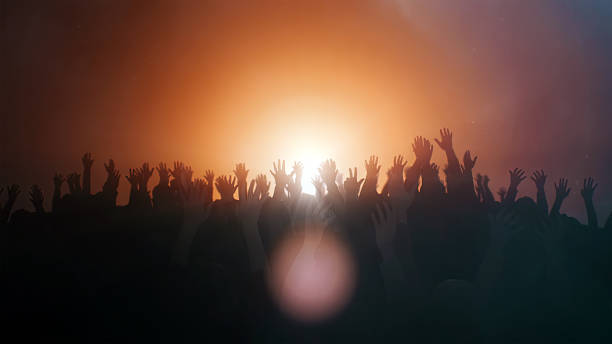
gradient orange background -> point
(522, 84)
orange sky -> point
(225, 82)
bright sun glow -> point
(311, 170)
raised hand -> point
(164, 173)
(227, 187)
(372, 167)
(468, 162)
(561, 189)
(328, 172)
(87, 161)
(351, 185)
(516, 177)
(561, 192)
(539, 179)
(588, 188)
(133, 177)
(446, 140)
(209, 176)
(145, 175)
(281, 178)
(110, 167)
(423, 150)
(397, 169)
(37, 198)
(262, 188)
(241, 174)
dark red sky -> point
(522, 83)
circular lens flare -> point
(312, 282)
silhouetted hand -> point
(561, 189)
(263, 186)
(328, 172)
(133, 177)
(588, 188)
(372, 167)
(164, 173)
(87, 161)
(446, 141)
(227, 187)
(516, 177)
(37, 198)
(423, 150)
(241, 172)
(209, 177)
(145, 175)
(281, 178)
(352, 185)
(468, 162)
(110, 167)
(539, 179)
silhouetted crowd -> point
(435, 260)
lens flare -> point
(312, 283)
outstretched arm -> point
(372, 169)
(109, 189)
(446, 144)
(281, 180)
(87, 163)
(587, 191)
(516, 177)
(328, 172)
(539, 179)
(241, 175)
(561, 192)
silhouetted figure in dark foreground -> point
(435, 261)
